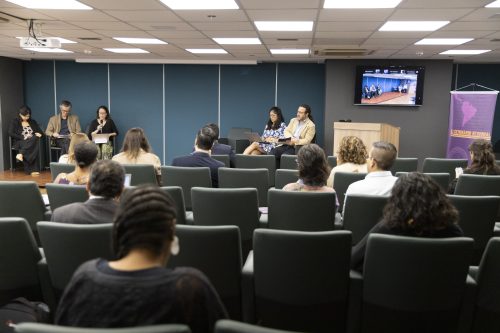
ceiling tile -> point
(279, 4)
(354, 14)
(220, 15)
(283, 15)
(163, 16)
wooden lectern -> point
(368, 132)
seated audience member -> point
(201, 155)
(220, 148)
(313, 170)
(104, 187)
(62, 126)
(137, 289)
(301, 131)
(274, 130)
(351, 157)
(103, 124)
(482, 162)
(70, 156)
(136, 150)
(85, 156)
(417, 207)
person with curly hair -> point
(351, 157)
(417, 207)
(313, 170)
(482, 161)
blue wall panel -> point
(137, 101)
(190, 102)
(302, 84)
(84, 85)
(247, 93)
(39, 90)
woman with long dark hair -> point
(274, 130)
(103, 124)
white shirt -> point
(376, 183)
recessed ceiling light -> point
(207, 51)
(284, 25)
(289, 51)
(62, 40)
(464, 52)
(47, 50)
(361, 4)
(237, 41)
(125, 50)
(139, 40)
(494, 4)
(200, 4)
(413, 25)
(443, 41)
(51, 4)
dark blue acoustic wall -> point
(303, 84)
(190, 102)
(247, 93)
(39, 90)
(84, 85)
(136, 96)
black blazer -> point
(16, 128)
(109, 127)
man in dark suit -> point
(105, 186)
(201, 155)
(220, 148)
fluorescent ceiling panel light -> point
(140, 40)
(289, 51)
(464, 52)
(413, 25)
(237, 41)
(284, 25)
(62, 40)
(200, 4)
(494, 4)
(51, 4)
(361, 4)
(47, 50)
(443, 41)
(125, 50)
(207, 51)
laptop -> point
(253, 137)
(100, 138)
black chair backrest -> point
(442, 178)
(439, 165)
(176, 194)
(288, 162)
(216, 251)
(222, 158)
(478, 185)
(231, 326)
(57, 168)
(284, 177)
(404, 164)
(256, 162)
(332, 161)
(47, 328)
(186, 177)
(62, 194)
(239, 178)
(141, 174)
(342, 181)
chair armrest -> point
(189, 218)
(248, 290)
(46, 285)
(466, 318)
(355, 302)
(264, 221)
(339, 223)
(473, 271)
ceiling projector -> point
(28, 42)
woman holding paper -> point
(103, 124)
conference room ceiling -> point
(336, 33)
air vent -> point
(333, 52)
(163, 27)
(287, 40)
(4, 20)
(90, 38)
(494, 17)
(495, 40)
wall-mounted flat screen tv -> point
(389, 85)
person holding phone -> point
(103, 124)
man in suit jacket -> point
(62, 126)
(220, 148)
(201, 155)
(105, 186)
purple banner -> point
(471, 118)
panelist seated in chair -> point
(85, 156)
(417, 207)
(77, 138)
(103, 124)
(62, 126)
(137, 289)
(26, 135)
(105, 186)
(274, 130)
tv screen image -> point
(394, 85)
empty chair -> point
(57, 168)
(186, 177)
(47, 328)
(224, 206)
(298, 280)
(288, 162)
(216, 251)
(18, 261)
(222, 158)
(438, 165)
(237, 138)
(238, 178)
(141, 174)
(332, 161)
(404, 164)
(176, 194)
(303, 211)
(255, 162)
(478, 185)
(285, 176)
(414, 284)
(231, 326)
(442, 178)
(342, 181)
(477, 219)
(361, 213)
(62, 194)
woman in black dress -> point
(26, 134)
(103, 124)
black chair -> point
(223, 158)
(285, 176)
(57, 168)
(439, 165)
(442, 178)
(231, 326)
(41, 155)
(237, 139)
(47, 328)
(186, 177)
(342, 181)
(404, 164)
(53, 152)
(257, 162)
(62, 194)
(216, 251)
(298, 280)
(332, 161)
(176, 194)
(288, 162)
(238, 178)
(141, 174)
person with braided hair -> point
(136, 289)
